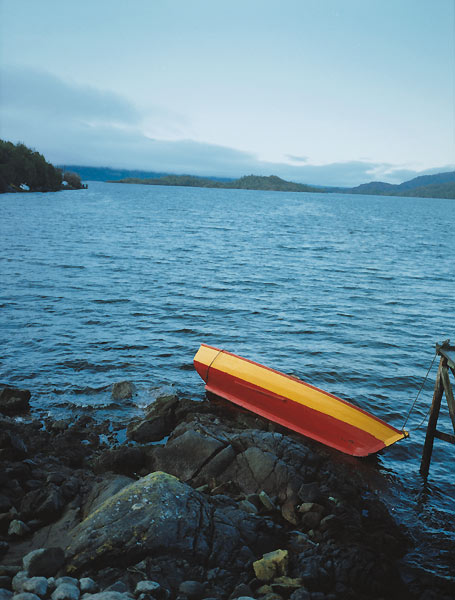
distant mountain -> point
(439, 185)
(248, 182)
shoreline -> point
(194, 501)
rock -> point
(271, 565)
(102, 491)
(5, 582)
(309, 492)
(310, 507)
(125, 460)
(66, 591)
(248, 507)
(160, 516)
(36, 585)
(14, 401)
(184, 455)
(288, 512)
(26, 596)
(108, 596)
(123, 390)
(147, 587)
(88, 586)
(241, 590)
(66, 579)
(18, 581)
(192, 589)
(118, 586)
(300, 594)
(4, 547)
(285, 585)
(266, 501)
(44, 561)
(310, 520)
(18, 528)
(45, 504)
(5, 594)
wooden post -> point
(432, 421)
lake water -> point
(349, 293)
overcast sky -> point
(335, 92)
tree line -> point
(24, 169)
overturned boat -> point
(293, 403)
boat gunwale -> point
(300, 381)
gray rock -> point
(123, 390)
(266, 501)
(104, 490)
(192, 589)
(109, 596)
(87, 585)
(45, 503)
(66, 579)
(18, 581)
(300, 594)
(159, 515)
(5, 594)
(44, 561)
(66, 591)
(309, 492)
(248, 507)
(36, 585)
(26, 596)
(147, 587)
(184, 455)
(14, 401)
(18, 528)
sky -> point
(329, 92)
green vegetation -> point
(248, 182)
(439, 185)
(23, 169)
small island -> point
(25, 170)
(248, 182)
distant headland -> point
(25, 170)
(440, 185)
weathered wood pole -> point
(432, 421)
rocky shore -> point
(201, 500)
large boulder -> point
(159, 516)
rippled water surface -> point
(349, 293)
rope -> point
(417, 397)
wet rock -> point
(123, 390)
(36, 585)
(108, 596)
(159, 515)
(66, 579)
(5, 594)
(271, 565)
(44, 561)
(14, 401)
(18, 581)
(248, 507)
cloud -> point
(38, 93)
(72, 124)
(298, 159)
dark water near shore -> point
(350, 293)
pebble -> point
(18, 528)
(18, 581)
(36, 585)
(192, 589)
(26, 596)
(66, 591)
(87, 585)
(147, 587)
(5, 594)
